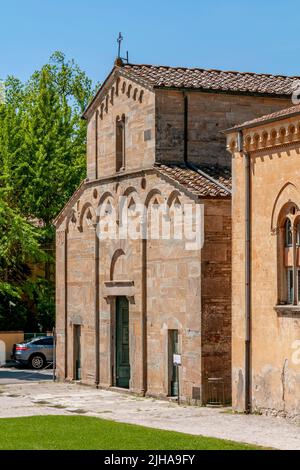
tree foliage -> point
(42, 161)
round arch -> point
(87, 209)
(152, 193)
(117, 254)
(173, 195)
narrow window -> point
(173, 371)
(298, 234)
(288, 233)
(77, 351)
(120, 143)
(290, 286)
(298, 286)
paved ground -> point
(16, 374)
(44, 398)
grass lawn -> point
(83, 432)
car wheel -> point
(37, 362)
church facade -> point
(143, 247)
(266, 264)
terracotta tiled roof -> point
(218, 80)
(283, 113)
(212, 182)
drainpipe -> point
(185, 127)
(247, 273)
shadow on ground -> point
(14, 373)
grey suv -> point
(35, 353)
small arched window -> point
(288, 233)
(120, 143)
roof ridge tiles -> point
(201, 69)
(202, 80)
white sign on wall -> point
(177, 359)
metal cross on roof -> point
(119, 41)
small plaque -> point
(177, 359)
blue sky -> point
(256, 35)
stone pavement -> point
(44, 398)
(16, 374)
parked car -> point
(35, 353)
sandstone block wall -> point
(137, 104)
(174, 283)
(275, 386)
(208, 115)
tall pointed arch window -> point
(291, 267)
(120, 143)
(289, 270)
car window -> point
(43, 342)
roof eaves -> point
(176, 184)
(262, 122)
(210, 178)
(194, 194)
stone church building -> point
(266, 263)
(126, 305)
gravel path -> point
(44, 398)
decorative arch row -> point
(121, 86)
(88, 215)
(268, 138)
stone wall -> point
(208, 115)
(137, 104)
(167, 288)
(275, 388)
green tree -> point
(42, 161)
